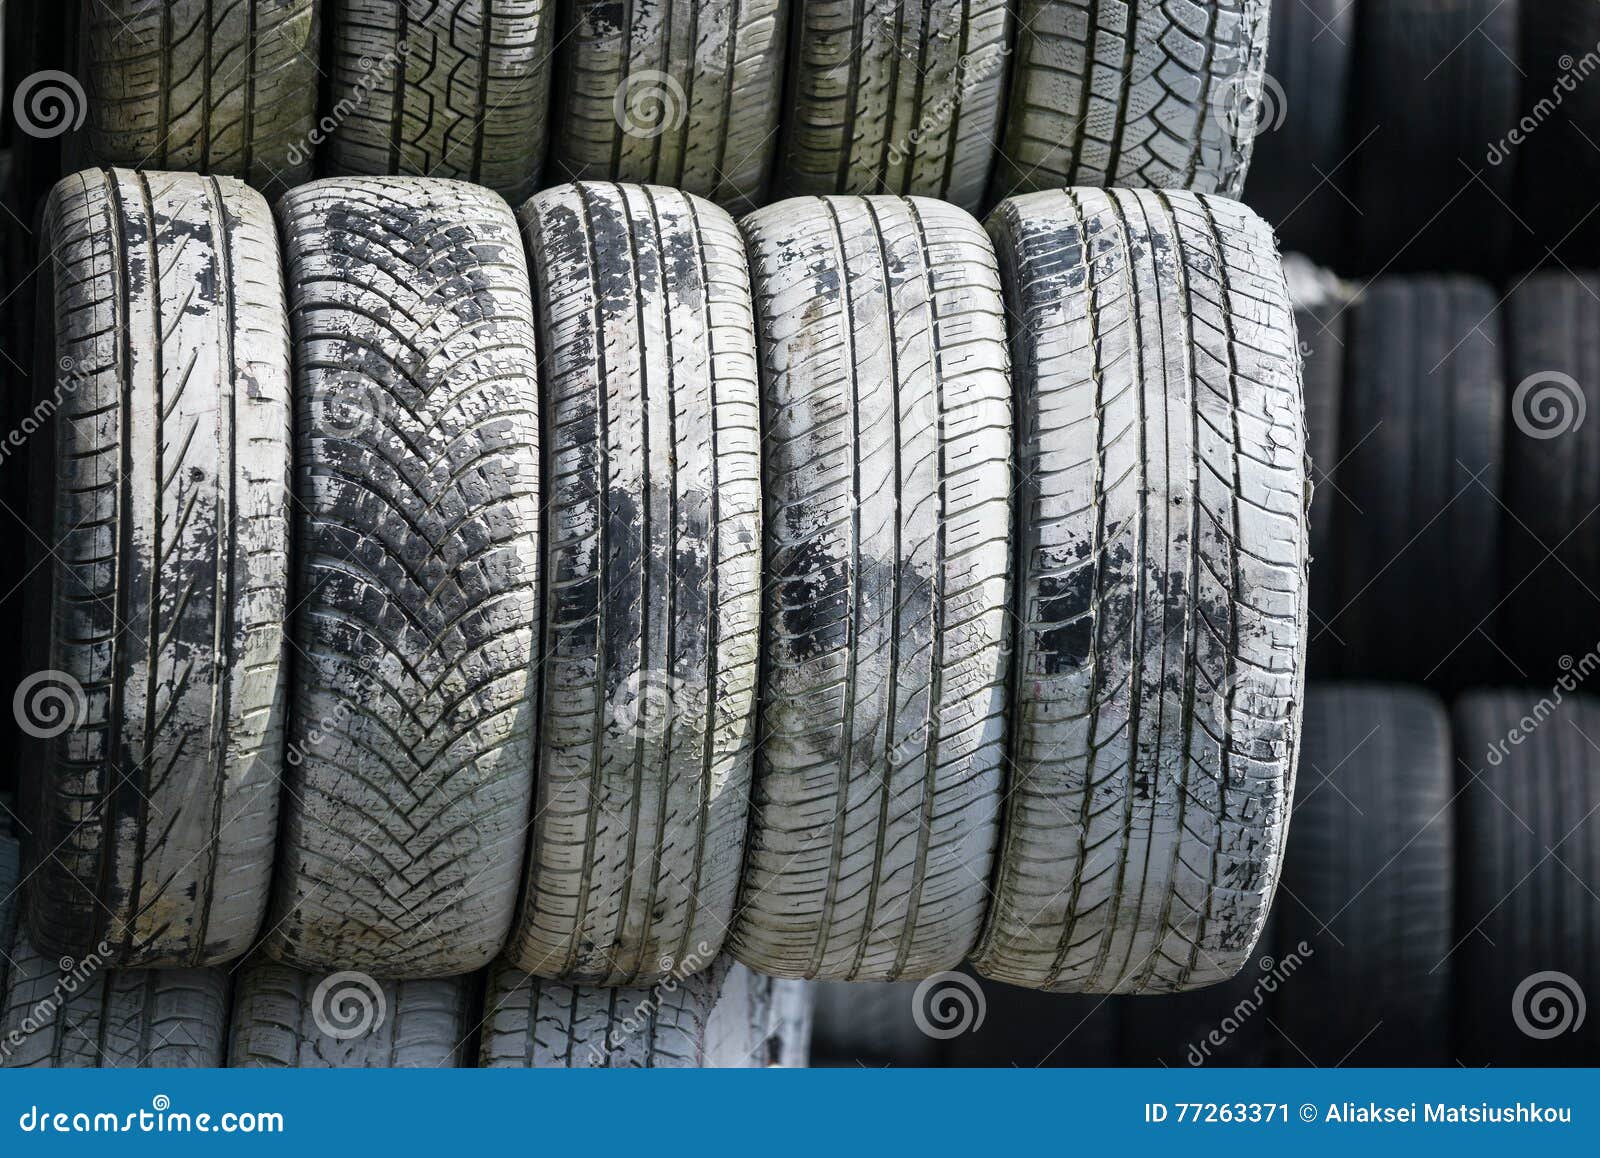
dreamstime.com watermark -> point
(1573, 74)
(971, 70)
(1574, 673)
(374, 73)
(158, 1118)
(948, 1005)
(1548, 404)
(72, 978)
(1273, 974)
(348, 1005)
(1549, 1004)
(639, 1018)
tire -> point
(461, 92)
(1368, 880)
(887, 432)
(647, 725)
(1144, 93)
(1148, 869)
(1451, 64)
(284, 1018)
(10, 900)
(1303, 170)
(682, 93)
(861, 114)
(89, 1016)
(188, 85)
(156, 708)
(1526, 937)
(1555, 166)
(1321, 309)
(1552, 548)
(1424, 451)
(418, 563)
(725, 1017)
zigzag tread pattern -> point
(1161, 599)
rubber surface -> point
(1424, 437)
(1555, 167)
(1368, 883)
(895, 96)
(76, 1013)
(285, 1018)
(654, 556)
(1137, 93)
(1552, 475)
(682, 93)
(887, 429)
(724, 1017)
(226, 88)
(459, 89)
(1527, 936)
(1161, 590)
(157, 703)
(10, 898)
(418, 566)
(1437, 83)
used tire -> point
(724, 1017)
(654, 556)
(1373, 856)
(1143, 93)
(285, 1018)
(1423, 432)
(1555, 166)
(10, 896)
(1438, 81)
(681, 93)
(411, 735)
(887, 430)
(461, 90)
(1302, 169)
(1552, 535)
(81, 1014)
(156, 707)
(186, 84)
(1527, 942)
(1161, 596)
(895, 96)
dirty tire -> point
(461, 91)
(895, 96)
(1445, 60)
(1556, 169)
(1141, 93)
(418, 545)
(651, 624)
(285, 1018)
(158, 647)
(1154, 729)
(78, 1014)
(10, 899)
(1423, 428)
(1552, 474)
(1529, 851)
(725, 1017)
(682, 93)
(186, 84)
(1373, 856)
(1302, 166)
(887, 440)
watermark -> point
(71, 381)
(1548, 404)
(646, 703)
(348, 1005)
(49, 703)
(1249, 104)
(1549, 1004)
(642, 1015)
(366, 692)
(1273, 974)
(948, 1005)
(73, 977)
(971, 70)
(374, 73)
(49, 103)
(1573, 74)
(649, 103)
(159, 1118)
(1574, 673)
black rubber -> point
(1422, 433)
(1552, 485)
(1527, 929)
(1556, 162)
(1367, 884)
